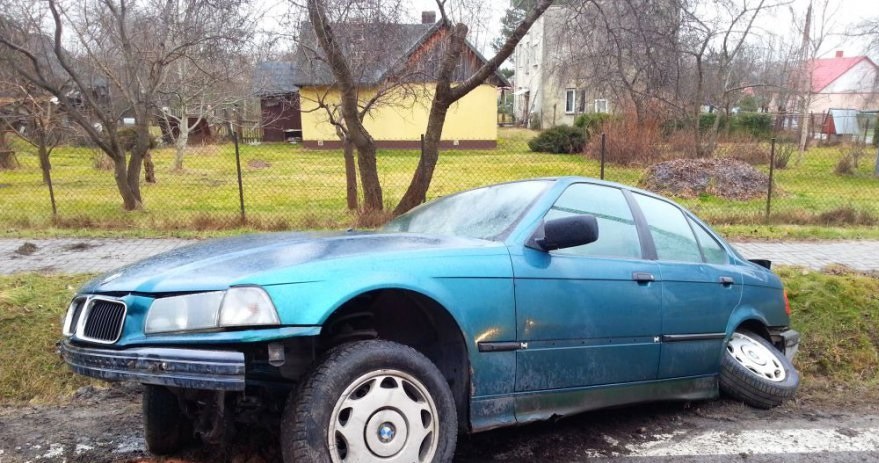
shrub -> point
(562, 139)
(706, 121)
(849, 160)
(754, 124)
(592, 122)
(628, 142)
(783, 154)
(749, 152)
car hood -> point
(217, 264)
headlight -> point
(247, 305)
(240, 306)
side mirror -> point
(568, 232)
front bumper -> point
(788, 341)
(220, 370)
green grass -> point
(837, 313)
(286, 186)
(32, 308)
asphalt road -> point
(104, 426)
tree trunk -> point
(350, 175)
(417, 191)
(180, 145)
(372, 190)
(45, 166)
(149, 169)
(130, 199)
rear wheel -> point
(166, 428)
(755, 372)
(368, 401)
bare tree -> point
(364, 42)
(198, 86)
(103, 59)
(450, 87)
(714, 42)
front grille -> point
(103, 321)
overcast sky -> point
(844, 14)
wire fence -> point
(277, 186)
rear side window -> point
(713, 251)
(617, 235)
(671, 232)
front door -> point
(588, 315)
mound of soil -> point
(725, 178)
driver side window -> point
(617, 235)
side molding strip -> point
(692, 337)
(501, 346)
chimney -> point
(428, 17)
(839, 53)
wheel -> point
(367, 401)
(166, 428)
(755, 372)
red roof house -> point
(844, 82)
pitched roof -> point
(826, 71)
(273, 78)
(375, 51)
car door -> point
(588, 315)
(700, 288)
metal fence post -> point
(51, 194)
(771, 172)
(240, 183)
(603, 145)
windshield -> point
(484, 213)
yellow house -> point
(394, 65)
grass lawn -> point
(286, 186)
(837, 314)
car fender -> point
(742, 314)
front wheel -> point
(755, 372)
(367, 401)
(166, 428)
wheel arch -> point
(408, 317)
(749, 318)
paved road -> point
(71, 255)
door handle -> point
(727, 281)
(643, 277)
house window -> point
(601, 106)
(581, 107)
(570, 100)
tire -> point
(166, 428)
(378, 388)
(754, 371)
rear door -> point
(700, 288)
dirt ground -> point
(104, 426)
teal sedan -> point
(493, 307)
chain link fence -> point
(276, 186)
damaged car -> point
(498, 306)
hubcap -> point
(385, 414)
(386, 432)
(756, 357)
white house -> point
(546, 92)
